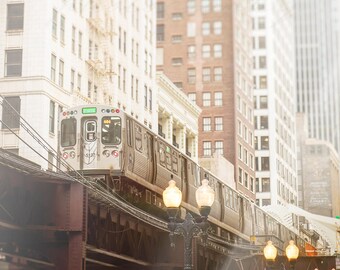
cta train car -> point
(101, 139)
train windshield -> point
(111, 130)
(68, 132)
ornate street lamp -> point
(189, 228)
(270, 253)
(292, 253)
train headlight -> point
(106, 153)
(103, 110)
(65, 155)
(115, 153)
(72, 154)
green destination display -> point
(89, 110)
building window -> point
(11, 112)
(263, 82)
(192, 97)
(160, 32)
(262, 62)
(207, 149)
(191, 51)
(246, 180)
(217, 74)
(72, 79)
(53, 67)
(206, 28)
(191, 75)
(79, 82)
(240, 173)
(264, 143)
(15, 17)
(206, 99)
(191, 6)
(179, 85)
(251, 184)
(160, 10)
(261, 23)
(265, 184)
(263, 122)
(218, 123)
(206, 124)
(150, 99)
(62, 29)
(205, 6)
(217, 5)
(177, 61)
(145, 96)
(176, 39)
(219, 148)
(54, 23)
(13, 63)
(206, 74)
(206, 51)
(61, 73)
(132, 89)
(191, 29)
(218, 28)
(217, 50)
(124, 80)
(218, 101)
(73, 39)
(80, 40)
(263, 102)
(265, 166)
(177, 16)
(52, 117)
(89, 89)
(262, 42)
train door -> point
(88, 151)
(150, 157)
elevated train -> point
(103, 139)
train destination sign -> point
(89, 110)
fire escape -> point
(100, 57)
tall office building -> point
(318, 67)
(274, 102)
(56, 54)
(204, 47)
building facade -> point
(204, 47)
(274, 102)
(177, 117)
(318, 67)
(58, 54)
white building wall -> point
(35, 87)
(274, 93)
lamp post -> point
(189, 228)
(270, 253)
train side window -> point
(174, 163)
(68, 132)
(111, 130)
(168, 158)
(138, 136)
(161, 149)
(235, 201)
(129, 133)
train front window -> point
(111, 130)
(68, 132)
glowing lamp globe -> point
(205, 197)
(292, 251)
(172, 196)
(270, 251)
